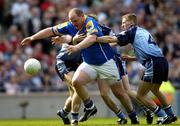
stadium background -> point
(45, 92)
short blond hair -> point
(130, 17)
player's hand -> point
(61, 39)
(71, 49)
(78, 38)
(26, 41)
(125, 57)
(128, 58)
(56, 40)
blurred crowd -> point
(22, 18)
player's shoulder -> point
(90, 20)
(142, 31)
(87, 17)
(64, 25)
(132, 28)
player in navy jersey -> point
(124, 75)
(65, 67)
(150, 56)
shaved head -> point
(75, 11)
(76, 16)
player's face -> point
(125, 24)
(77, 21)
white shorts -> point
(108, 71)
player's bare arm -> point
(45, 33)
(113, 44)
(61, 39)
(107, 39)
(88, 41)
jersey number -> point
(151, 40)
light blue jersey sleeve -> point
(143, 43)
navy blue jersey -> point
(143, 43)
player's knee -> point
(75, 83)
(119, 93)
(129, 93)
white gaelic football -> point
(32, 66)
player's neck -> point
(84, 19)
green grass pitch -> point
(58, 122)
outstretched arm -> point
(45, 33)
(107, 39)
(103, 39)
(89, 40)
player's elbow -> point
(92, 38)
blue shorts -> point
(121, 65)
(156, 70)
(66, 63)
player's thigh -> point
(84, 74)
(103, 86)
(118, 88)
(155, 88)
(125, 82)
(143, 88)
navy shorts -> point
(66, 63)
(156, 70)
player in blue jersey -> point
(62, 64)
(72, 31)
(97, 63)
(150, 56)
(65, 66)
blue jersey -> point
(64, 29)
(143, 43)
(96, 54)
